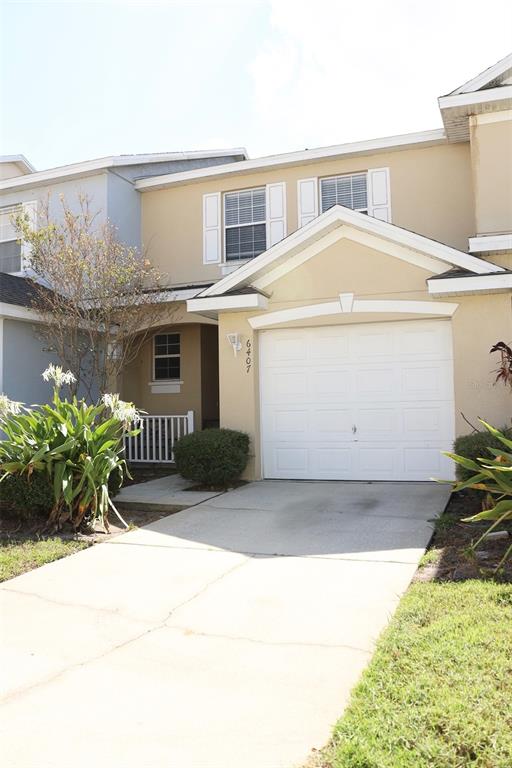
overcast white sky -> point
(80, 80)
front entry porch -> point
(174, 382)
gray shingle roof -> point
(17, 290)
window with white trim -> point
(10, 247)
(245, 227)
(166, 356)
(350, 190)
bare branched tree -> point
(97, 297)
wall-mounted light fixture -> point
(234, 340)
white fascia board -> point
(337, 216)
(162, 157)
(487, 243)
(487, 76)
(77, 170)
(402, 141)
(479, 97)
(17, 312)
(228, 303)
(471, 284)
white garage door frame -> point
(369, 401)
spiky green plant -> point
(76, 445)
(493, 476)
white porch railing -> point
(157, 437)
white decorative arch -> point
(347, 304)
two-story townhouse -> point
(110, 185)
(356, 290)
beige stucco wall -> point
(431, 193)
(136, 378)
(477, 324)
(491, 159)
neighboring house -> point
(357, 290)
(110, 185)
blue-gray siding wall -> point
(123, 209)
(92, 187)
(24, 360)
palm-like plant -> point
(75, 444)
(494, 476)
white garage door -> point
(360, 402)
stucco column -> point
(239, 384)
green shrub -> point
(215, 457)
(28, 496)
(476, 446)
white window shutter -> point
(379, 195)
(276, 213)
(211, 229)
(307, 200)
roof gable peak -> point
(338, 222)
(492, 77)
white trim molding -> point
(165, 387)
(471, 284)
(88, 167)
(401, 141)
(494, 95)
(235, 303)
(497, 72)
(17, 312)
(347, 304)
(487, 243)
(433, 256)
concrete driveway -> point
(228, 635)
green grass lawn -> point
(17, 557)
(438, 691)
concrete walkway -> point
(166, 494)
(228, 635)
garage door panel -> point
(338, 421)
(331, 460)
(288, 349)
(392, 382)
(424, 460)
(427, 382)
(331, 382)
(325, 347)
(380, 382)
(372, 344)
(376, 420)
(424, 421)
(289, 459)
(286, 384)
(290, 421)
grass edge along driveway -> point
(438, 691)
(18, 556)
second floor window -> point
(167, 356)
(349, 190)
(245, 228)
(10, 248)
